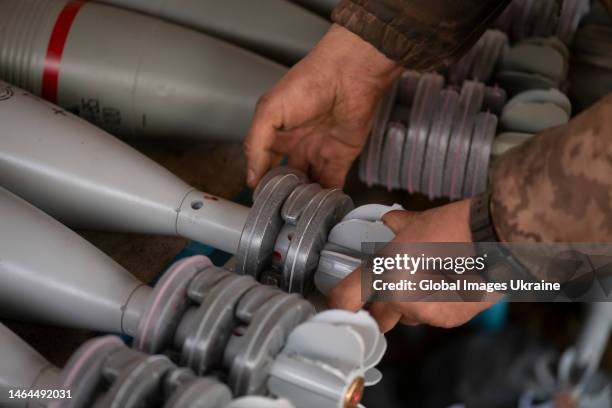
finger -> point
(409, 321)
(385, 315)
(294, 143)
(440, 314)
(347, 294)
(409, 312)
(331, 162)
(299, 163)
(259, 142)
(276, 159)
(298, 160)
(288, 141)
(331, 174)
(399, 219)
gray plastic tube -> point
(275, 28)
(86, 178)
(134, 75)
(22, 367)
(323, 7)
(50, 274)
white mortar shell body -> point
(277, 29)
(134, 75)
(23, 367)
(49, 274)
(86, 178)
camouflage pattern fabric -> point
(423, 35)
(557, 187)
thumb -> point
(347, 294)
(399, 219)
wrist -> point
(481, 222)
(461, 213)
(357, 59)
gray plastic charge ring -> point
(494, 44)
(369, 165)
(480, 153)
(408, 87)
(297, 201)
(265, 337)
(438, 144)
(470, 102)
(82, 375)
(526, 18)
(214, 322)
(419, 116)
(421, 133)
(392, 155)
(321, 214)
(140, 384)
(200, 393)
(463, 69)
(203, 283)
(263, 224)
(277, 171)
(167, 304)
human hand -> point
(320, 113)
(449, 223)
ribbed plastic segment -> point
(25, 28)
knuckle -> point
(247, 147)
(263, 103)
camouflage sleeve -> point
(558, 186)
(419, 34)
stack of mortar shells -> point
(438, 137)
